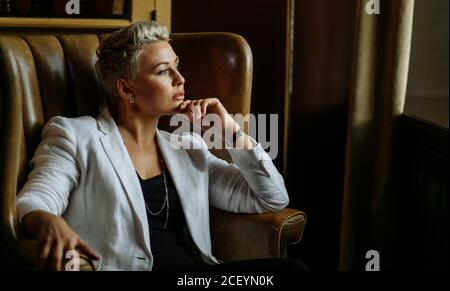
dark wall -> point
(318, 118)
(262, 23)
(318, 122)
(422, 202)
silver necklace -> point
(166, 200)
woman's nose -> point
(178, 79)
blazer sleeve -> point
(251, 184)
(54, 171)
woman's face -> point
(158, 87)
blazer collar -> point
(178, 163)
(105, 122)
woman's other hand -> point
(54, 239)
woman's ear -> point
(123, 88)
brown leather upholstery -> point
(250, 236)
(53, 74)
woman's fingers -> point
(205, 103)
(87, 250)
(187, 108)
(55, 241)
(57, 256)
(197, 114)
(196, 109)
(184, 105)
(53, 252)
(204, 106)
(191, 109)
(45, 247)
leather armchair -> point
(53, 74)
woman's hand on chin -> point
(197, 109)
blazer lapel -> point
(180, 167)
(117, 153)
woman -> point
(116, 186)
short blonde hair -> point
(118, 54)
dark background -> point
(318, 109)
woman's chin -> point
(175, 108)
(172, 111)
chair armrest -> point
(28, 249)
(237, 236)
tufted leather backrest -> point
(53, 74)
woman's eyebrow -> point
(177, 60)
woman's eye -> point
(163, 72)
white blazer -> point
(82, 171)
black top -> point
(172, 247)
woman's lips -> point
(179, 96)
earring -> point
(132, 99)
